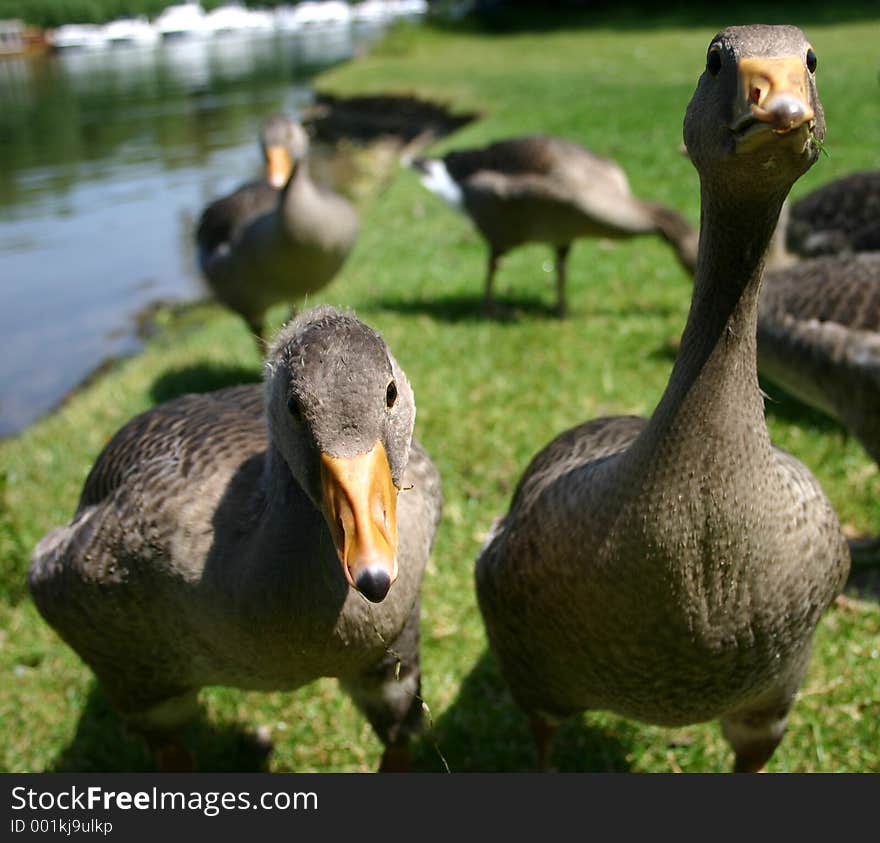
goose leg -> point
(389, 695)
(753, 747)
(489, 300)
(865, 552)
(542, 731)
(561, 258)
(755, 730)
(257, 326)
(161, 725)
(171, 756)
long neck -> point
(280, 490)
(713, 394)
(677, 232)
(276, 479)
(300, 179)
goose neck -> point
(713, 391)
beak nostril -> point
(373, 583)
(787, 112)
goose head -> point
(341, 412)
(284, 142)
(756, 102)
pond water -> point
(107, 159)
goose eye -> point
(294, 409)
(713, 61)
(390, 394)
(812, 60)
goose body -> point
(220, 539)
(277, 240)
(543, 189)
(819, 339)
(673, 570)
(840, 217)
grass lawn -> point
(489, 394)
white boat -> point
(411, 8)
(260, 20)
(285, 19)
(186, 20)
(11, 38)
(234, 18)
(371, 11)
(381, 11)
(314, 13)
(78, 36)
(130, 31)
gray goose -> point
(840, 217)
(279, 240)
(673, 570)
(231, 538)
(819, 339)
(544, 189)
(222, 220)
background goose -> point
(839, 217)
(222, 220)
(222, 539)
(674, 570)
(819, 338)
(279, 240)
(547, 190)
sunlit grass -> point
(489, 394)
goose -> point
(277, 240)
(256, 537)
(842, 216)
(673, 570)
(545, 189)
(819, 339)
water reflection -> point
(108, 157)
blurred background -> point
(121, 119)
(114, 133)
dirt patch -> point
(365, 119)
(360, 142)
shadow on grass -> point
(864, 583)
(202, 377)
(485, 731)
(466, 308)
(103, 744)
(780, 405)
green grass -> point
(489, 394)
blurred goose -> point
(819, 339)
(840, 217)
(673, 570)
(257, 538)
(277, 240)
(547, 190)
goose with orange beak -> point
(275, 240)
(256, 537)
(356, 428)
(223, 219)
(673, 569)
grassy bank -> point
(489, 394)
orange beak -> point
(773, 94)
(279, 165)
(360, 505)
